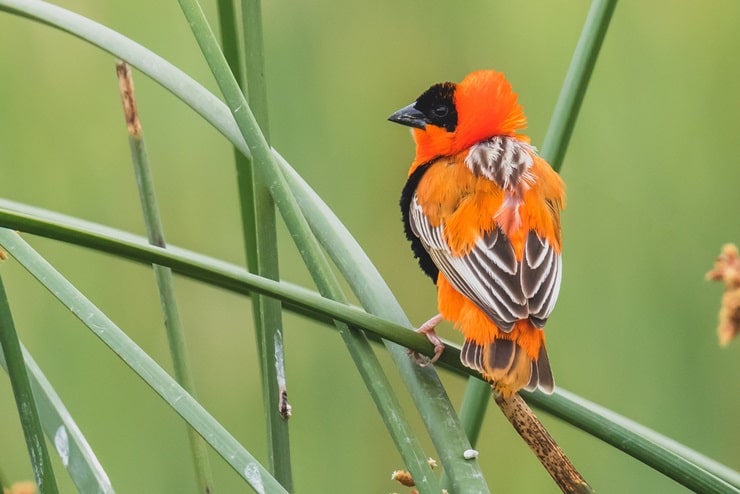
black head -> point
(436, 106)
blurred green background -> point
(653, 182)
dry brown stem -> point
(540, 441)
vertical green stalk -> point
(273, 355)
(255, 61)
(266, 169)
(29, 415)
(472, 412)
(553, 150)
(356, 342)
(230, 37)
(230, 42)
(163, 275)
(473, 409)
(265, 232)
(576, 81)
(260, 240)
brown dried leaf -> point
(727, 270)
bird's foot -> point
(427, 329)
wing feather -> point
(505, 289)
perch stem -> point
(552, 457)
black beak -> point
(410, 116)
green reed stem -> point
(163, 275)
(24, 399)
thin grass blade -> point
(308, 303)
(473, 408)
(149, 63)
(60, 428)
(554, 148)
(576, 82)
(211, 108)
(259, 228)
(179, 400)
(24, 399)
(163, 275)
(649, 447)
(231, 44)
(266, 172)
(228, 25)
(423, 383)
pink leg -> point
(427, 329)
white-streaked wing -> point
(540, 275)
(505, 289)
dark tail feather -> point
(541, 374)
(501, 354)
(505, 364)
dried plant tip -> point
(726, 267)
(729, 317)
(727, 270)
(403, 477)
(128, 98)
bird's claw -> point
(427, 329)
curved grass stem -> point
(181, 402)
(692, 468)
(211, 271)
(268, 173)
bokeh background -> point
(654, 191)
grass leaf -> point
(60, 428)
(24, 399)
(179, 400)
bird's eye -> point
(441, 111)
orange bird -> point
(482, 212)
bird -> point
(481, 209)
